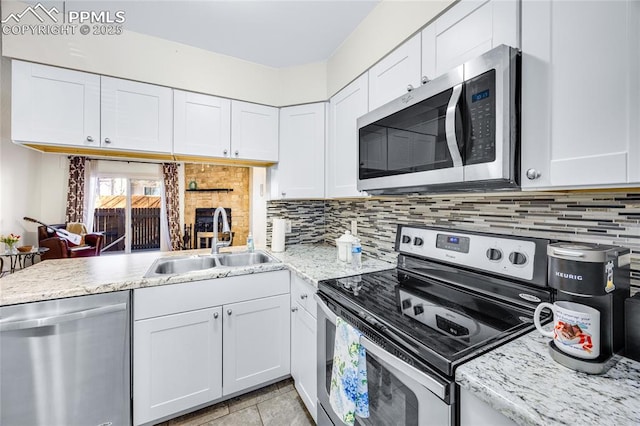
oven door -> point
(399, 394)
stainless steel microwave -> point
(456, 132)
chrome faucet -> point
(225, 228)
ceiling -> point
(275, 33)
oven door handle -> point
(426, 381)
(450, 126)
(325, 309)
(423, 379)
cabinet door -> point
(580, 94)
(202, 124)
(302, 292)
(177, 363)
(256, 342)
(342, 148)
(467, 30)
(136, 116)
(254, 131)
(391, 77)
(54, 105)
(474, 411)
(303, 356)
(300, 170)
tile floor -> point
(277, 404)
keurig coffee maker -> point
(589, 276)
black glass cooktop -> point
(443, 324)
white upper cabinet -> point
(300, 171)
(580, 94)
(55, 106)
(392, 76)
(254, 131)
(202, 125)
(136, 116)
(342, 147)
(466, 31)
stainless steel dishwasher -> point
(66, 362)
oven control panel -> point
(491, 253)
(453, 242)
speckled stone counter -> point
(319, 262)
(521, 381)
(54, 279)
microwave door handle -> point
(450, 126)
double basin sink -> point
(181, 265)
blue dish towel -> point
(348, 394)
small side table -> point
(20, 258)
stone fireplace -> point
(216, 186)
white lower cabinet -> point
(197, 342)
(256, 342)
(303, 343)
(475, 412)
(167, 378)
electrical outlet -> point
(354, 227)
(287, 228)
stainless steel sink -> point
(245, 259)
(164, 266)
(182, 265)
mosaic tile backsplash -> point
(597, 217)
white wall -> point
(145, 58)
(258, 194)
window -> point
(124, 203)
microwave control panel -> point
(480, 97)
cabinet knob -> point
(409, 87)
(425, 79)
(215, 315)
(294, 309)
(229, 312)
(237, 153)
(107, 140)
(225, 152)
(303, 296)
(533, 174)
(89, 138)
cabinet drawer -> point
(302, 293)
(170, 299)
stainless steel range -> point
(453, 296)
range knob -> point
(406, 304)
(406, 239)
(494, 254)
(418, 309)
(417, 241)
(517, 258)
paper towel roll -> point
(277, 235)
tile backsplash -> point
(596, 217)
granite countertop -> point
(521, 381)
(59, 278)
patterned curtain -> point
(75, 194)
(172, 201)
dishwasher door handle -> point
(57, 319)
